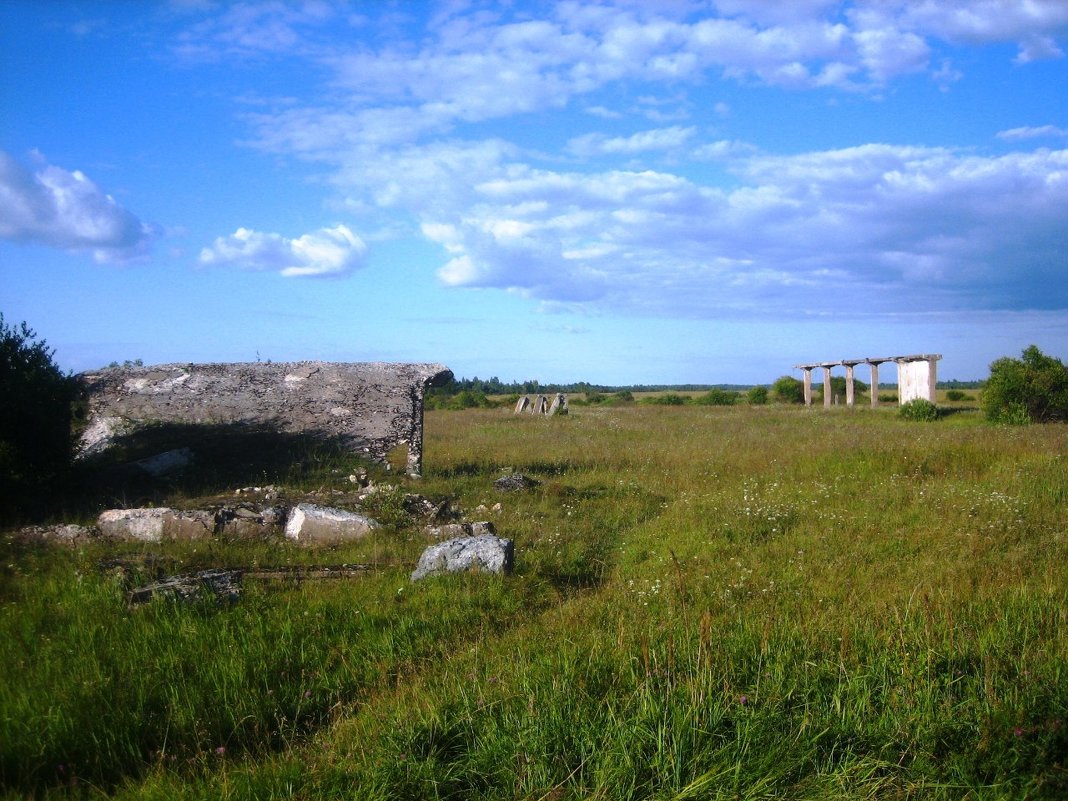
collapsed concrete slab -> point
(371, 407)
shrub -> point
(623, 396)
(919, 410)
(757, 396)
(667, 399)
(788, 389)
(718, 397)
(35, 428)
(1033, 388)
(955, 395)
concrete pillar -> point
(850, 396)
(874, 384)
(808, 385)
(826, 387)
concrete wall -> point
(916, 380)
(371, 407)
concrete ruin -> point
(542, 405)
(916, 378)
(370, 407)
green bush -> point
(35, 428)
(1033, 388)
(919, 410)
(757, 396)
(788, 389)
(717, 397)
(955, 395)
(667, 399)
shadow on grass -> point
(224, 458)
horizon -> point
(706, 192)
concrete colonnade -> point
(916, 378)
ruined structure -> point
(370, 407)
(542, 405)
(916, 378)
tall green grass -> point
(709, 602)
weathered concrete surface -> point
(310, 523)
(249, 521)
(454, 531)
(62, 534)
(482, 554)
(371, 407)
(155, 524)
(514, 482)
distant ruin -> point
(916, 378)
(542, 405)
(370, 407)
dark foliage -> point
(1033, 388)
(35, 416)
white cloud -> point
(327, 252)
(65, 209)
(901, 227)
(1039, 132)
(657, 139)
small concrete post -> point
(850, 397)
(808, 385)
(826, 387)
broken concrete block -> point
(559, 405)
(522, 404)
(481, 554)
(156, 524)
(514, 482)
(309, 523)
(67, 534)
(458, 530)
(249, 521)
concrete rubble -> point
(480, 554)
(460, 530)
(309, 522)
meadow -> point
(744, 602)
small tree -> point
(788, 389)
(35, 398)
(1033, 388)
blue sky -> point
(616, 192)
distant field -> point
(744, 602)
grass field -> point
(709, 602)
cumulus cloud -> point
(421, 125)
(327, 252)
(876, 221)
(66, 210)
